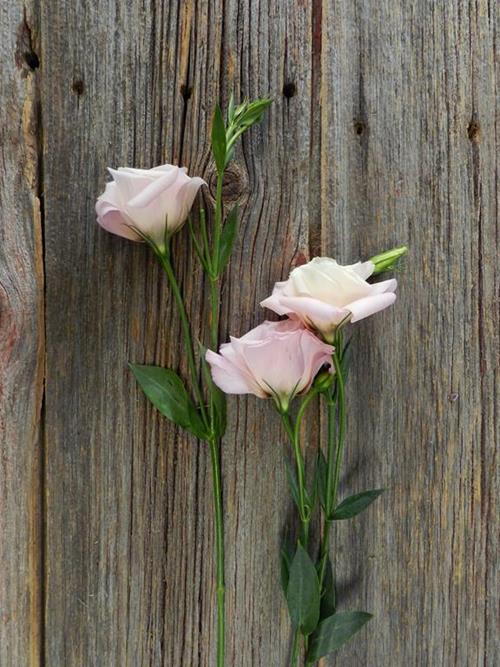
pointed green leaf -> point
(286, 557)
(230, 110)
(249, 113)
(227, 238)
(345, 365)
(217, 397)
(353, 505)
(335, 631)
(218, 139)
(220, 412)
(345, 362)
(321, 478)
(197, 246)
(328, 602)
(303, 592)
(165, 390)
(294, 487)
(244, 116)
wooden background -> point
(383, 131)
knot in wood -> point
(234, 186)
(474, 130)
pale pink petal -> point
(186, 197)
(316, 354)
(154, 172)
(111, 195)
(273, 303)
(363, 269)
(131, 182)
(279, 287)
(113, 221)
(384, 286)
(314, 313)
(267, 328)
(370, 305)
(229, 378)
(276, 364)
(326, 280)
(110, 216)
(153, 190)
(232, 353)
(168, 167)
(176, 201)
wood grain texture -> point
(21, 342)
(414, 127)
(384, 130)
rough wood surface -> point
(384, 130)
(21, 343)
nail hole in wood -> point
(186, 92)
(359, 127)
(289, 89)
(31, 59)
(473, 130)
(78, 86)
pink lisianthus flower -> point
(275, 360)
(322, 294)
(147, 200)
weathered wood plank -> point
(383, 131)
(408, 94)
(129, 517)
(21, 341)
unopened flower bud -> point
(387, 261)
(323, 380)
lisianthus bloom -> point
(147, 200)
(323, 294)
(276, 359)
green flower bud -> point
(387, 261)
(323, 381)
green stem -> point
(341, 419)
(164, 258)
(214, 312)
(300, 463)
(213, 443)
(295, 649)
(330, 459)
(219, 548)
(334, 459)
(304, 521)
(217, 224)
(206, 244)
(293, 434)
(304, 510)
(215, 449)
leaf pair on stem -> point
(310, 587)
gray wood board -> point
(383, 131)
